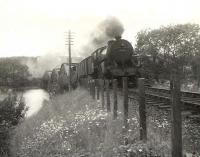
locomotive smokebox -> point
(119, 51)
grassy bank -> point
(74, 125)
(61, 127)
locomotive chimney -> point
(118, 37)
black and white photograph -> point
(107, 78)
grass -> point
(74, 125)
(61, 127)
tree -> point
(12, 112)
(196, 68)
(12, 72)
(171, 47)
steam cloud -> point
(108, 29)
(47, 62)
(105, 31)
(112, 27)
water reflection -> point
(34, 99)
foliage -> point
(171, 47)
(13, 72)
(12, 111)
(196, 68)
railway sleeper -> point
(188, 98)
(193, 103)
(164, 106)
(154, 103)
(186, 113)
(194, 116)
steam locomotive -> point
(115, 60)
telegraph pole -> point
(69, 43)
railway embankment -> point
(74, 124)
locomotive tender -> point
(115, 60)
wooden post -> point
(115, 107)
(70, 58)
(142, 109)
(97, 88)
(176, 116)
(102, 94)
(93, 89)
(108, 95)
(86, 82)
(90, 87)
(125, 100)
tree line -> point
(15, 74)
(170, 48)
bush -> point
(12, 112)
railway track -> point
(161, 98)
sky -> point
(37, 27)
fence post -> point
(142, 109)
(176, 116)
(97, 87)
(125, 100)
(93, 89)
(108, 94)
(86, 82)
(90, 87)
(115, 107)
(102, 93)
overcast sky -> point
(36, 27)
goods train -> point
(115, 60)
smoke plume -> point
(105, 31)
(43, 63)
(47, 62)
(112, 27)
